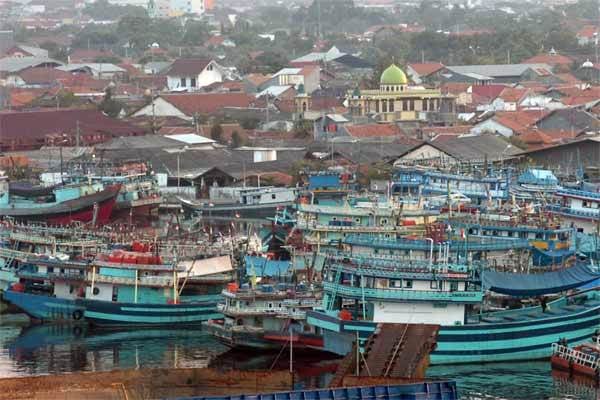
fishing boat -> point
(361, 293)
(583, 359)
(266, 317)
(325, 226)
(62, 205)
(535, 184)
(409, 391)
(123, 289)
(578, 208)
(550, 240)
(240, 202)
(481, 186)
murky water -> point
(51, 349)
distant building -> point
(395, 100)
(7, 40)
(189, 74)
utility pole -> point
(77, 135)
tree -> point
(249, 123)
(110, 106)
(236, 140)
(216, 132)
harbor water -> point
(27, 350)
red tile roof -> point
(208, 103)
(214, 41)
(425, 69)
(535, 137)
(550, 59)
(30, 128)
(373, 130)
(587, 31)
(87, 55)
(519, 121)
(188, 66)
(489, 92)
(513, 95)
(455, 87)
(43, 76)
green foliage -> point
(110, 106)
(108, 59)
(66, 99)
(303, 129)
(272, 61)
(249, 123)
(103, 10)
(236, 140)
(216, 132)
(195, 33)
(55, 51)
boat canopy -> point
(539, 284)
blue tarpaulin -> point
(328, 181)
(260, 266)
(539, 284)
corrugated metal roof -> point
(497, 70)
(190, 138)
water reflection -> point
(514, 381)
(51, 349)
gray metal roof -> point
(497, 70)
(16, 64)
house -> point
(329, 125)
(97, 70)
(190, 74)
(507, 123)
(30, 130)
(82, 56)
(255, 82)
(368, 131)
(474, 149)
(558, 62)
(509, 99)
(20, 51)
(587, 35)
(566, 157)
(569, 121)
(423, 72)
(219, 41)
(308, 76)
(37, 77)
(282, 96)
(318, 57)
(499, 73)
(187, 106)
(11, 65)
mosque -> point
(397, 101)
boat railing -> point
(348, 228)
(574, 212)
(576, 356)
(142, 281)
(455, 245)
(51, 276)
(373, 263)
(404, 294)
(580, 193)
(275, 311)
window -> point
(193, 82)
(96, 291)
(182, 84)
(433, 285)
(273, 196)
(453, 286)
(408, 284)
(391, 106)
(425, 105)
(210, 67)
(396, 283)
(115, 293)
(412, 105)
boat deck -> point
(557, 308)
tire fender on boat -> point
(77, 331)
(77, 314)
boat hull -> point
(81, 210)
(234, 210)
(107, 314)
(477, 343)
(46, 308)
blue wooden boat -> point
(108, 293)
(442, 390)
(361, 293)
